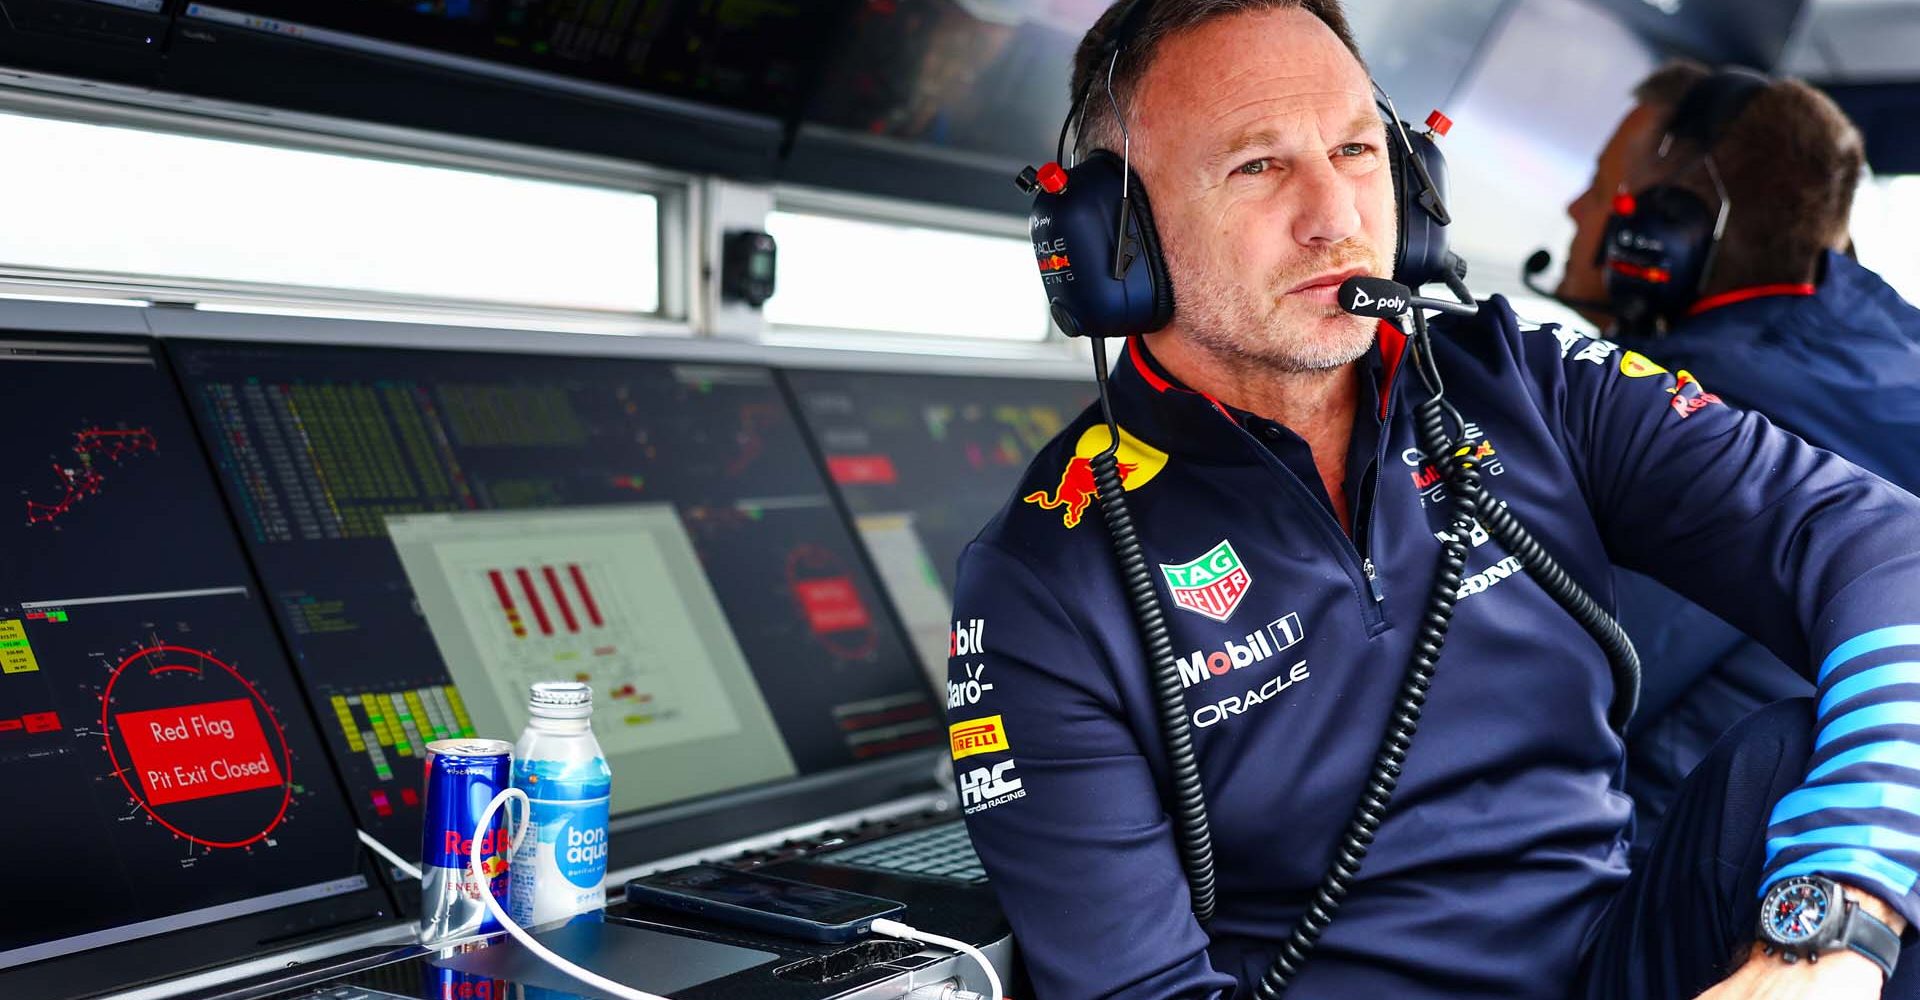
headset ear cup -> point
(1656, 256)
(1073, 234)
(1420, 236)
(1150, 254)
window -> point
(179, 211)
(856, 274)
(1886, 211)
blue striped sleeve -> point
(1856, 817)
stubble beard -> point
(1257, 330)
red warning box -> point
(862, 470)
(832, 604)
(196, 751)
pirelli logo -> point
(988, 735)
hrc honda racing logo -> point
(1280, 635)
(986, 787)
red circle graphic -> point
(286, 754)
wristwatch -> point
(1809, 916)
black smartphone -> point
(762, 902)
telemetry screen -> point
(437, 530)
(162, 770)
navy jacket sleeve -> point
(1811, 555)
(1059, 800)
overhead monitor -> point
(437, 530)
(756, 57)
(969, 76)
(923, 462)
(165, 782)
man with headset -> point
(1303, 546)
(1771, 313)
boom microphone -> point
(1539, 262)
(1379, 298)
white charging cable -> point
(406, 868)
(526, 940)
(896, 929)
(890, 928)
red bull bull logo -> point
(1076, 490)
(1054, 262)
(1428, 475)
(1138, 462)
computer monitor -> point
(164, 780)
(977, 77)
(438, 529)
(757, 57)
(923, 462)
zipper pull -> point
(1373, 581)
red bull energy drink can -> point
(452, 984)
(463, 776)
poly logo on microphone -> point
(1386, 300)
(1378, 307)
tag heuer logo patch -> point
(1211, 585)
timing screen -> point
(162, 770)
(924, 462)
(657, 530)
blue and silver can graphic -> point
(463, 776)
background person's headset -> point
(1659, 244)
(1093, 230)
(1100, 261)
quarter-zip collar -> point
(1190, 420)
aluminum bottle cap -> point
(561, 700)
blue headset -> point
(1099, 255)
(1659, 245)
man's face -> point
(1258, 137)
(1624, 162)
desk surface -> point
(701, 960)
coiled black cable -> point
(1187, 802)
(1513, 536)
(1430, 426)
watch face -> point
(1795, 909)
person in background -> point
(1783, 321)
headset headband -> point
(1713, 103)
(1110, 48)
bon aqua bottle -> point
(561, 866)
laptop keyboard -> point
(941, 851)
